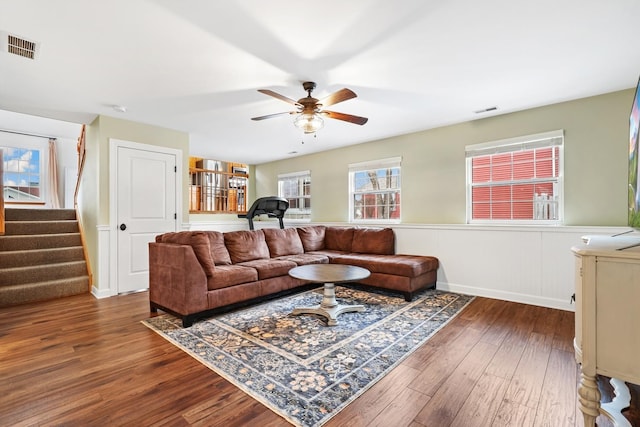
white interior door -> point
(146, 207)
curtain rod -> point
(28, 134)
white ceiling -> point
(196, 65)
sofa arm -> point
(177, 281)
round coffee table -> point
(329, 274)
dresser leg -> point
(589, 398)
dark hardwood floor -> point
(80, 361)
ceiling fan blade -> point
(346, 117)
(280, 97)
(268, 116)
(339, 96)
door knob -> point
(123, 227)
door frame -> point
(114, 145)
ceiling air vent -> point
(19, 46)
(486, 110)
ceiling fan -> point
(310, 112)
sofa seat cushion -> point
(306, 259)
(268, 268)
(283, 241)
(198, 240)
(399, 265)
(246, 245)
(219, 252)
(230, 275)
(312, 237)
(379, 241)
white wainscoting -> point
(102, 286)
(527, 264)
(531, 265)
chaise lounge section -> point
(195, 274)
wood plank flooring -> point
(80, 361)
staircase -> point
(41, 256)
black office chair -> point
(272, 206)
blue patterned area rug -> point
(298, 366)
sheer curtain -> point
(54, 199)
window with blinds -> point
(516, 180)
(374, 190)
(296, 188)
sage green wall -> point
(94, 190)
(112, 128)
(433, 163)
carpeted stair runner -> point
(41, 256)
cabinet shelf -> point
(219, 190)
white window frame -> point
(527, 142)
(34, 143)
(297, 214)
(388, 163)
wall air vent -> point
(17, 45)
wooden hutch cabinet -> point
(217, 187)
(607, 340)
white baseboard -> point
(101, 293)
(507, 296)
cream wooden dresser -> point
(607, 340)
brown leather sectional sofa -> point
(194, 274)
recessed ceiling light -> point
(119, 108)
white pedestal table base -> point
(329, 307)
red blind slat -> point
(501, 210)
(481, 194)
(481, 174)
(509, 200)
(500, 193)
(522, 210)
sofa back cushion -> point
(312, 237)
(219, 252)
(246, 245)
(198, 240)
(283, 241)
(380, 241)
(338, 239)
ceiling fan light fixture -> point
(310, 115)
(309, 122)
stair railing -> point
(81, 156)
